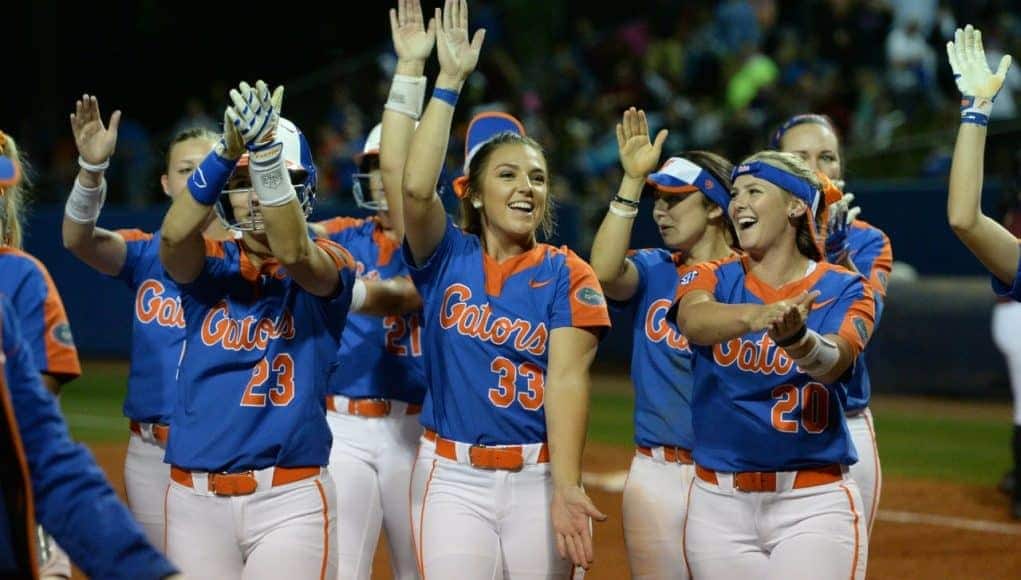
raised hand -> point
(978, 84)
(638, 155)
(254, 115)
(457, 56)
(571, 513)
(791, 315)
(412, 41)
(95, 141)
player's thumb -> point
(115, 122)
(807, 298)
(593, 512)
(1001, 71)
(660, 139)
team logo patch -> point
(883, 278)
(62, 334)
(861, 328)
(590, 296)
(689, 278)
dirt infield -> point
(942, 549)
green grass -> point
(921, 445)
(92, 404)
(927, 441)
(944, 448)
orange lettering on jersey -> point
(244, 334)
(762, 357)
(478, 322)
(657, 329)
(152, 306)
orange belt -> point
(766, 480)
(369, 407)
(505, 457)
(243, 483)
(159, 432)
(671, 454)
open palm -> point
(94, 140)
(638, 155)
(407, 28)
(458, 57)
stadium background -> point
(719, 75)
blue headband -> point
(797, 186)
(774, 141)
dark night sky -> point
(148, 57)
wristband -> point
(407, 94)
(625, 201)
(446, 95)
(624, 213)
(93, 168)
(794, 338)
(207, 181)
(84, 203)
(976, 111)
(272, 183)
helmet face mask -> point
(298, 159)
(362, 191)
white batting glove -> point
(977, 83)
(256, 119)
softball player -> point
(250, 495)
(376, 394)
(993, 244)
(46, 474)
(510, 329)
(28, 285)
(777, 333)
(860, 247)
(692, 193)
(157, 332)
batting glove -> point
(256, 119)
(977, 83)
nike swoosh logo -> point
(819, 305)
(534, 284)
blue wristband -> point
(209, 178)
(446, 95)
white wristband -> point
(631, 212)
(821, 358)
(358, 292)
(407, 94)
(272, 183)
(93, 168)
(84, 203)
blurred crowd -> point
(720, 75)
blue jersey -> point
(157, 331)
(69, 493)
(380, 357)
(660, 357)
(29, 287)
(872, 255)
(258, 352)
(1012, 291)
(753, 408)
(486, 328)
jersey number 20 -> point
(279, 394)
(814, 400)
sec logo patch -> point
(590, 296)
(689, 277)
(62, 334)
(861, 328)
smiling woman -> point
(777, 337)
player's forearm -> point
(966, 174)
(429, 146)
(396, 296)
(287, 233)
(609, 249)
(182, 250)
(806, 347)
(101, 249)
(707, 323)
(567, 407)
